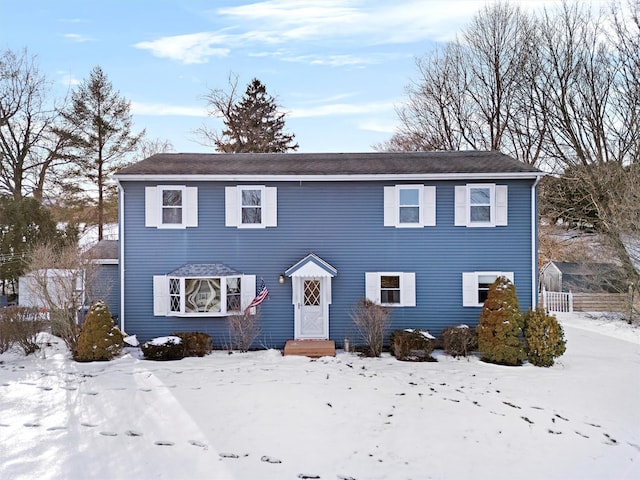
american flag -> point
(262, 295)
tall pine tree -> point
(98, 125)
(252, 124)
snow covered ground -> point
(263, 416)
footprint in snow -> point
(164, 443)
(59, 427)
(31, 425)
(90, 393)
(4, 425)
(229, 455)
(267, 459)
(196, 443)
(132, 433)
(308, 476)
(70, 388)
(90, 425)
(46, 388)
(109, 434)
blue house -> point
(423, 233)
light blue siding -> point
(342, 223)
(106, 287)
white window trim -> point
(426, 205)
(497, 203)
(263, 209)
(471, 285)
(233, 206)
(153, 206)
(407, 288)
(162, 304)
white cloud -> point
(341, 109)
(190, 48)
(67, 79)
(78, 38)
(160, 109)
(378, 126)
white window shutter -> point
(469, 289)
(190, 207)
(408, 293)
(390, 207)
(160, 295)
(230, 206)
(429, 206)
(270, 207)
(461, 206)
(372, 286)
(501, 205)
(151, 207)
(247, 291)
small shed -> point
(582, 277)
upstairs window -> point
(171, 206)
(481, 205)
(410, 206)
(251, 206)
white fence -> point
(557, 301)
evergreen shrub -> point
(99, 338)
(163, 348)
(500, 327)
(196, 344)
(459, 340)
(544, 338)
(412, 345)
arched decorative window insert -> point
(203, 290)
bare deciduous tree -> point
(60, 278)
(29, 149)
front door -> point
(312, 312)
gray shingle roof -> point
(203, 270)
(313, 164)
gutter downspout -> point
(534, 245)
(121, 254)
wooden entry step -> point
(311, 348)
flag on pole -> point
(263, 293)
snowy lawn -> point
(263, 416)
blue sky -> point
(337, 67)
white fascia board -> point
(333, 178)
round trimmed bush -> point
(196, 344)
(459, 340)
(163, 348)
(412, 345)
(99, 338)
(544, 338)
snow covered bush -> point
(196, 344)
(459, 340)
(163, 348)
(99, 338)
(372, 321)
(544, 338)
(21, 326)
(500, 327)
(412, 345)
(243, 330)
